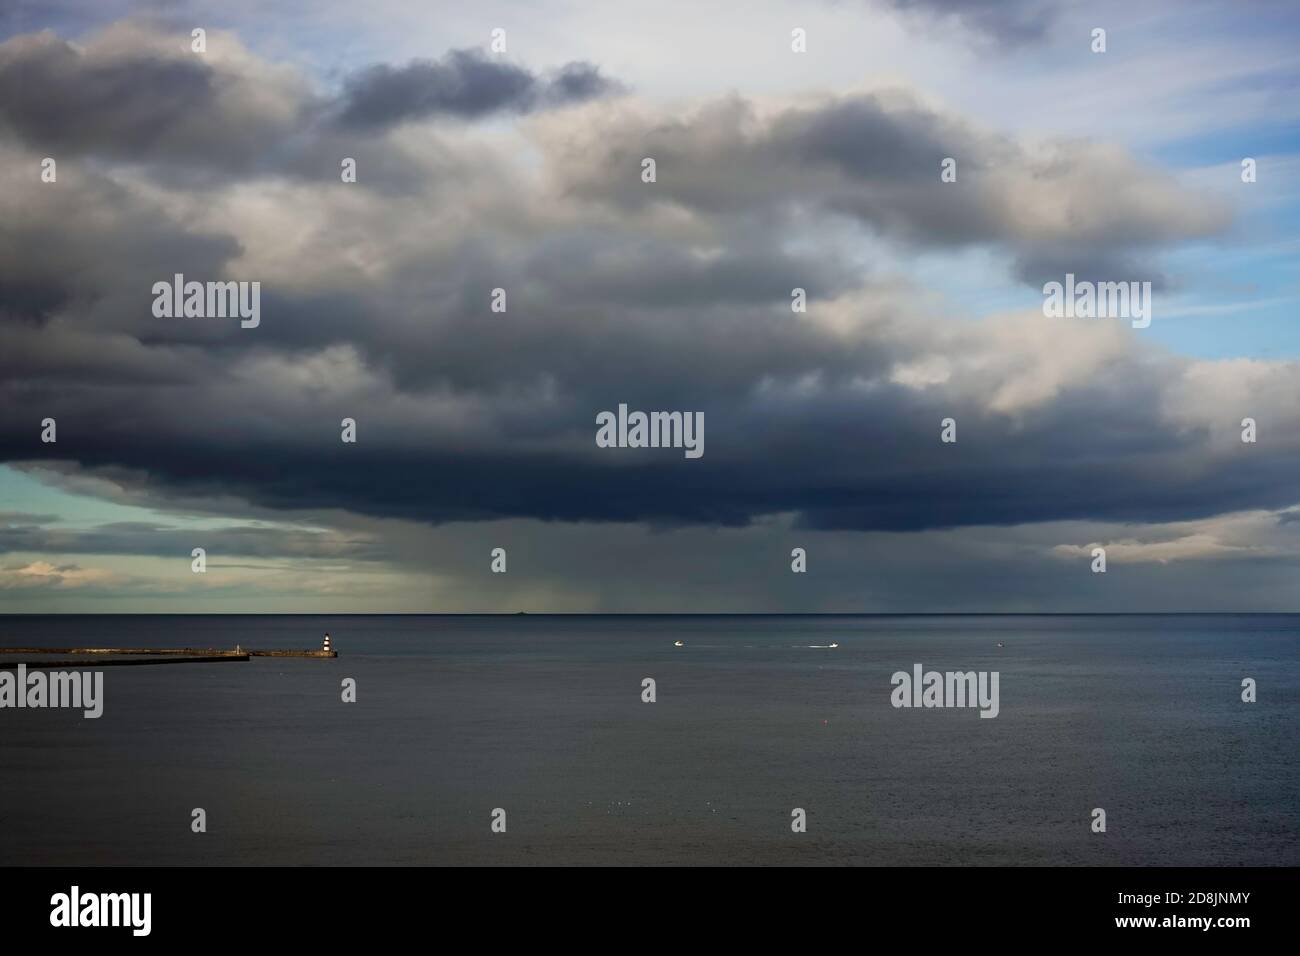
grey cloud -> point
(152, 102)
(576, 82)
(1005, 22)
(135, 93)
(841, 456)
(1051, 262)
(666, 296)
(875, 158)
(87, 245)
(52, 94)
(464, 84)
(969, 569)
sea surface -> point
(542, 717)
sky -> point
(522, 169)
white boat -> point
(678, 644)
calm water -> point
(542, 716)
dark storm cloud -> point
(846, 459)
(32, 299)
(465, 84)
(666, 296)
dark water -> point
(542, 716)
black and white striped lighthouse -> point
(326, 645)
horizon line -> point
(648, 614)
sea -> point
(529, 740)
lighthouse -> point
(326, 646)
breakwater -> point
(137, 656)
